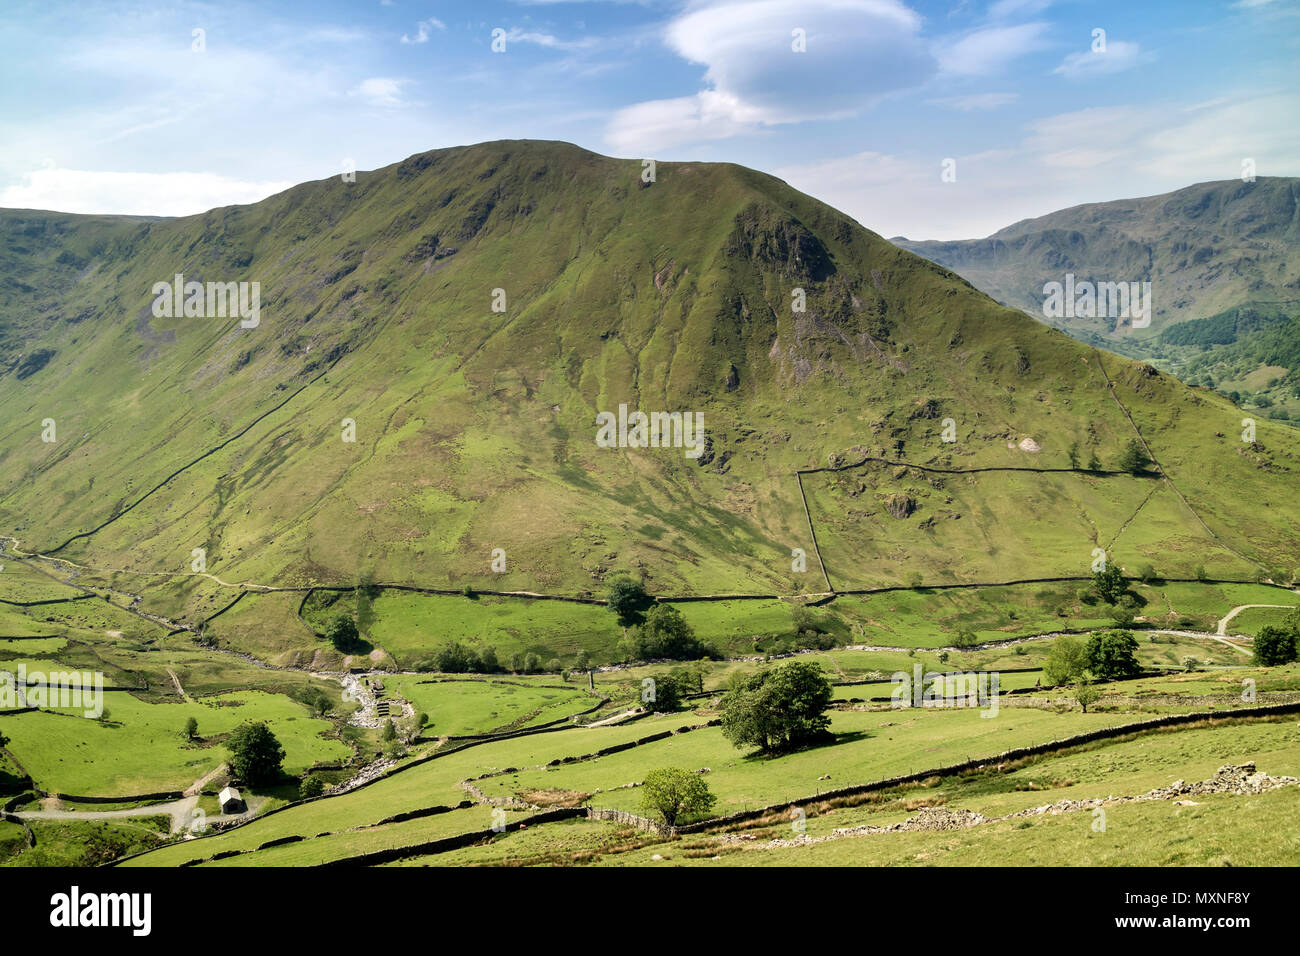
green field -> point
(140, 748)
(458, 708)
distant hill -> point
(1214, 251)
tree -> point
(1122, 616)
(310, 787)
(1067, 659)
(1112, 655)
(1094, 463)
(1275, 645)
(191, 728)
(4, 741)
(626, 597)
(487, 659)
(1133, 458)
(1201, 574)
(1109, 583)
(777, 709)
(255, 754)
(390, 731)
(665, 695)
(315, 700)
(1086, 692)
(341, 631)
(1073, 452)
(965, 637)
(532, 663)
(672, 791)
(689, 680)
(554, 665)
(583, 661)
(666, 633)
(1147, 573)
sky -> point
(931, 120)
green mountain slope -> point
(1223, 255)
(476, 429)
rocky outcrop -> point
(900, 505)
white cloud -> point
(516, 35)
(660, 124)
(991, 49)
(1118, 56)
(140, 194)
(380, 91)
(857, 51)
(422, 30)
(977, 101)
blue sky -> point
(108, 107)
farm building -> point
(231, 801)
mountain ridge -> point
(475, 429)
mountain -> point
(1223, 256)
(466, 315)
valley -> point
(380, 521)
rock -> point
(900, 505)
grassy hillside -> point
(475, 429)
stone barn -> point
(231, 801)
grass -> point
(68, 843)
(140, 749)
(871, 746)
(1222, 831)
(1249, 621)
(463, 707)
(412, 627)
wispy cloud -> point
(1118, 56)
(990, 50)
(977, 101)
(423, 30)
(380, 91)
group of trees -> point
(1110, 585)
(459, 658)
(811, 631)
(663, 634)
(1111, 655)
(664, 692)
(1133, 458)
(776, 710)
